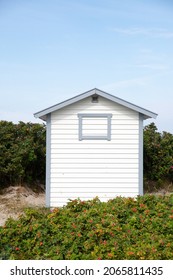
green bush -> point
(122, 228)
(23, 149)
(158, 155)
(22, 153)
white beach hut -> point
(94, 148)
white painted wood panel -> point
(116, 135)
(72, 114)
(103, 103)
(86, 146)
(87, 195)
(101, 175)
(64, 198)
(95, 150)
(94, 156)
(70, 123)
(60, 202)
(71, 131)
(93, 180)
(121, 140)
(90, 168)
(96, 160)
(64, 189)
(105, 166)
(83, 171)
(93, 188)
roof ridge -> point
(43, 113)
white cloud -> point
(14, 116)
(125, 84)
(151, 66)
(154, 32)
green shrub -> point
(23, 149)
(158, 155)
(122, 228)
(22, 153)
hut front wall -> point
(93, 167)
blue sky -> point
(53, 50)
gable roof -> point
(43, 114)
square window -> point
(94, 126)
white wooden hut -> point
(94, 148)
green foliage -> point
(122, 228)
(22, 153)
(23, 148)
(158, 154)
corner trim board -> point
(48, 159)
(141, 192)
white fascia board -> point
(43, 114)
(146, 113)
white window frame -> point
(107, 135)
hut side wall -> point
(92, 167)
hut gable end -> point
(94, 148)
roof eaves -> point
(146, 113)
(42, 114)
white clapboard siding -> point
(63, 198)
(62, 129)
(93, 187)
(99, 189)
(95, 156)
(103, 104)
(89, 168)
(99, 161)
(97, 179)
(87, 195)
(103, 166)
(120, 140)
(94, 191)
(88, 146)
(83, 171)
(96, 151)
(120, 128)
(73, 123)
(72, 115)
(116, 134)
(101, 175)
(85, 105)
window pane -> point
(94, 126)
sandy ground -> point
(13, 200)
